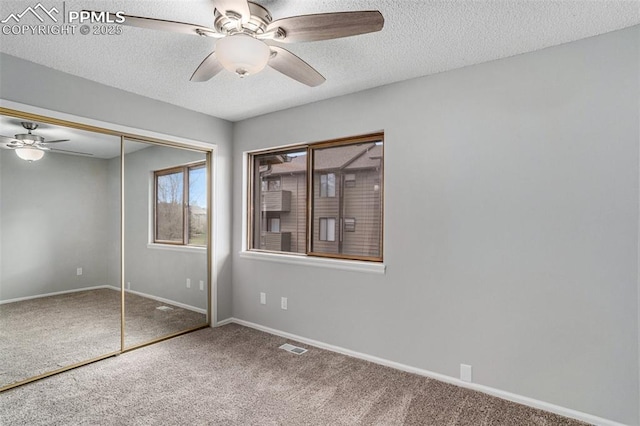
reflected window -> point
(181, 205)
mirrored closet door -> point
(165, 244)
(59, 236)
(62, 252)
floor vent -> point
(164, 308)
(293, 349)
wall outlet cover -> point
(465, 373)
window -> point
(181, 205)
(328, 185)
(279, 192)
(307, 199)
(272, 184)
(327, 229)
(274, 224)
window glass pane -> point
(323, 229)
(198, 205)
(280, 191)
(331, 185)
(274, 185)
(169, 211)
(331, 229)
(354, 192)
(323, 185)
(274, 224)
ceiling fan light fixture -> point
(29, 154)
(242, 54)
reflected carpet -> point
(47, 333)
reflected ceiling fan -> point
(244, 30)
(31, 147)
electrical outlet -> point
(263, 298)
(283, 303)
(79, 271)
(128, 285)
(201, 285)
(188, 282)
(465, 372)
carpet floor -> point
(47, 333)
(233, 375)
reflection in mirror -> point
(165, 246)
(59, 242)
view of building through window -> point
(181, 205)
(346, 188)
(280, 201)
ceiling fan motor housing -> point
(231, 22)
(30, 139)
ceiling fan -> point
(31, 147)
(245, 31)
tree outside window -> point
(181, 205)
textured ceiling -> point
(419, 38)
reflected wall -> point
(165, 211)
(58, 303)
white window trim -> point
(178, 247)
(320, 262)
(296, 259)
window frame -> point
(326, 186)
(326, 229)
(185, 169)
(310, 181)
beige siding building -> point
(347, 199)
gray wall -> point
(151, 271)
(53, 216)
(32, 84)
(511, 218)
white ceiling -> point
(419, 38)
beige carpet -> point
(45, 334)
(234, 375)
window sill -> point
(171, 247)
(301, 260)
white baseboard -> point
(56, 293)
(524, 400)
(170, 302)
(225, 322)
(148, 296)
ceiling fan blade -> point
(71, 152)
(42, 147)
(239, 7)
(326, 26)
(207, 69)
(7, 138)
(56, 141)
(292, 66)
(14, 145)
(172, 26)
